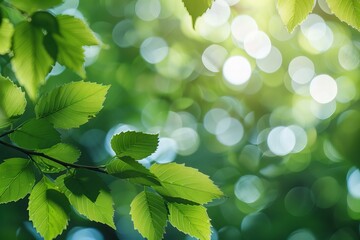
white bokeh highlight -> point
(323, 88)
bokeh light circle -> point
(301, 69)
(242, 26)
(249, 188)
(154, 49)
(257, 44)
(229, 131)
(281, 140)
(272, 62)
(213, 57)
(237, 70)
(323, 88)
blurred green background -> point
(272, 117)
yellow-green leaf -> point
(196, 8)
(136, 145)
(347, 11)
(17, 178)
(6, 33)
(149, 214)
(293, 12)
(48, 209)
(179, 181)
(33, 5)
(190, 219)
(12, 102)
(89, 195)
(73, 35)
(31, 61)
(72, 104)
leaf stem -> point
(40, 154)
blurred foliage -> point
(279, 135)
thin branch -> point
(7, 133)
(40, 154)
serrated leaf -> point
(31, 61)
(293, 12)
(74, 34)
(197, 8)
(61, 151)
(72, 104)
(89, 195)
(136, 145)
(17, 178)
(12, 102)
(6, 33)
(48, 209)
(128, 168)
(179, 181)
(36, 133)
(33, 5)
(347, 11)
(190, 219)
(149, 214)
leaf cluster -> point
(33, 40)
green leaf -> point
(46, 21)
(89, 195)
(16, 179)
(149, 214)
(31, 61)
(197, 8)
(179, 181)
(74, 34)
(72, 104)
(136, 145)
(48, 209)
(12, 102)
(190, 219)
(33, 5)
(61, 151)
(6, 33)
(293, 12)
(36, 133)
(128, 168)
(347, 11)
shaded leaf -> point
(61, 151)
(45, 20)
(51, 46)
(33, 5)
(293, 12)
(12, 102)
(31, 61)
(179, 181)
(89, 195)
(36, 133)
(347, 11)
(136, 145)
(48, 209)
(74, 34)
(6, 33)
(197, 8)
(17, 178)
(190, 219)
(72, 104)
(128, 168)
(149, 214)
